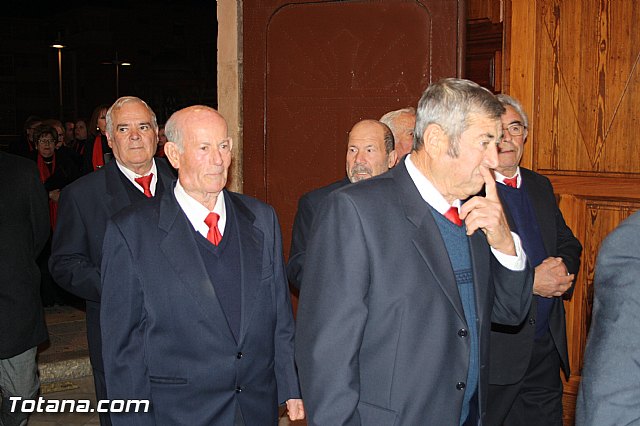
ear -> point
(434, 139)
(109, 141)
(173, 154)
(392, 158)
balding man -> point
(370, 152)
(195, 299)
(402, 123)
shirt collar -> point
(131, 175)
(197, 213)
(428, 192)
(500, 177)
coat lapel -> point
(116, 194)
(544, 216)
(427, 238)
(480, 261)
(251, 258)
(182, 253)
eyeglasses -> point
(46, 142)
(515, 129)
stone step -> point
(65, 356)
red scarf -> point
(98, 157)
(45, 174)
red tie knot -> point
(453, 216)
(512, 181)
(145, 183)
(214, 235)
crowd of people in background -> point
(63, 152)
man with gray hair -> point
(370, 152)
(86, 205)
(402, 280)
(525, 385)
(402, 123)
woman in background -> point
(97, 151)
(57, 170)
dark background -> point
(171, 45)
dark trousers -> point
(101, 393)
(535, 400)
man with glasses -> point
(525, 385)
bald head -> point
(199, 147)
(370, 150)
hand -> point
(551, 278)
(295, 407)
(486, 213)
(54, 195)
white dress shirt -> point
(197, 213)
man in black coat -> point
(88, 203)
(24, 230)
(525, 385)
(370, 152)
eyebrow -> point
(134, 124)
(488, 135)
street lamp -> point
(59, 46)
(118, 63)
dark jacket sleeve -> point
(71, 263)
(299, 235)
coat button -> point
(239, 355)
(532, 321)
(460, 385)
(238, 389)
(462, 332)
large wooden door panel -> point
(314, 68)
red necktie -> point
(512, 181)
(145, 183)
(452, 215)
(214, 234)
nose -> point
(360, 157)
(216, 157)
(135, 134)
(506, 136)
(491, 156)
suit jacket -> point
(24, 230)
(511, 346)
(84, 208)
(609, 391)
(169, 338)
(308, 206)
(381, 335)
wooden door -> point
(575, 67)
(314, 68)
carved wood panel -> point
(588, 86)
